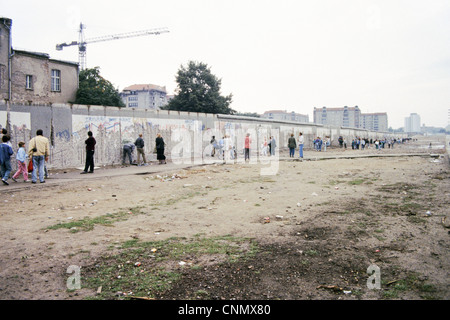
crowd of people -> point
(139, 144)
(224, 148)
(33, 160)
(38, 151)
(359, 143)
(37, 154)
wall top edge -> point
(228, 116)
(197, 114)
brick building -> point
(33, 77)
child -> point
(21, 163)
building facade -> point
(283, 115)
(340, 117)
(351, 118)
(412, 123)
(374, 121)
(5, 53)
(144, 96)
(32, 77)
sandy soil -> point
(318, 226)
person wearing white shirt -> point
(301, 141)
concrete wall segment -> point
(66, 126)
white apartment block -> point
(144, 96)
(340, 117)
(412, 123)
(351, 118)
(375, 121)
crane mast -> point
(82, 42)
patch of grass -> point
(335, 182)
(411, 283)
(148, 268)
(398, 188)
(415, 219)
(186, 196)
(356, 182)
(311, 253)
(87, 224)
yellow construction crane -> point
(81, 43)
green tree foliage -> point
(199, 91)
(93, 89)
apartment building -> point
(144, 96)
(33, 77)
(340, 117)
(412, 123)
(374, 121)
(283, 115)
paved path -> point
(58, 177)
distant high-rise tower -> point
(412, 123)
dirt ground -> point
(225, 231)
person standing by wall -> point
(213, 143)
(273, 145)
(159, 141)
(38, 151)
(301, 141)
(90, 149)
(139, 143)
(264, 147)
(292, 144)
(247, 144)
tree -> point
(199, 91)
(93, 89)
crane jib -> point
(82, 43)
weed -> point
(87, 224)
(121, 273)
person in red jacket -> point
(248, 142)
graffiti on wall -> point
(112, 132)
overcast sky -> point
(382, 55)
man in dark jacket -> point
(90, 149)
(139, 143)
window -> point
(29, 82)
(56, 80)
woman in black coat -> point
(160, 149)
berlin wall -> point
(187, 135)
